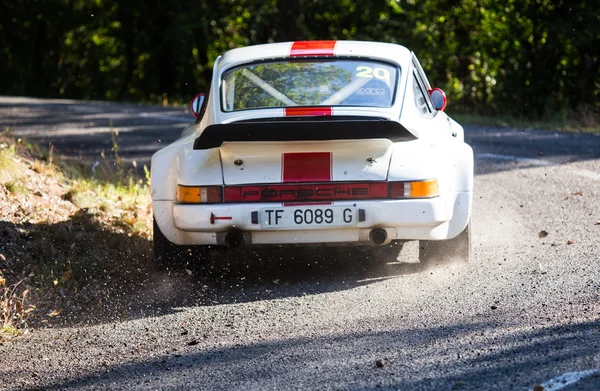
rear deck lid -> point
(304, 151)
(305, 161)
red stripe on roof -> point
(306, 167)
(313, 48)
(307, 111)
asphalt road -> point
(525, 312)
(81, 129)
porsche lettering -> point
(305, 193)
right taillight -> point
(414, 189)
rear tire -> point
(433, 253)
(171, 256)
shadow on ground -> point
(92, 275)
(470, 360)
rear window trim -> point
(394, 65)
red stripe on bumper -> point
(306, 203)
(306, 167)
(313, 48)
(214, 218)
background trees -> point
(519, 57)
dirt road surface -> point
(524, 313)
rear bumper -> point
(430, 219)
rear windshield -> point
(309, 83)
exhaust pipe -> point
(234, 239)
(378, 236)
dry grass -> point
(9, 165)
(14, 308)
(64, 230)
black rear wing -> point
(305, 130)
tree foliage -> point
(530, 57)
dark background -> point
(528, 58)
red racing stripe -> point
(307, 111)
(306, 167)
(312, 48)
(306, 203)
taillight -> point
(330, 191)
(415, 189)
(199, 194)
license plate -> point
(302, 217)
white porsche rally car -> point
(330, 142)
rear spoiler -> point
(306, 130)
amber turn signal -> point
(424, 189)
(199, 194)
(414, 189)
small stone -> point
(494, 307)
(570, 242)
(192, 343)
(542, 234)
(380, 363)
(537, 387)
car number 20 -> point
(320, 216)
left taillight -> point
(199, 194)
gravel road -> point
(525, 312)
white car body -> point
(436, 150)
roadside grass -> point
(583, 120)
(9, 167)
(66, 227)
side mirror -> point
(439, 98)
(197, 103)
